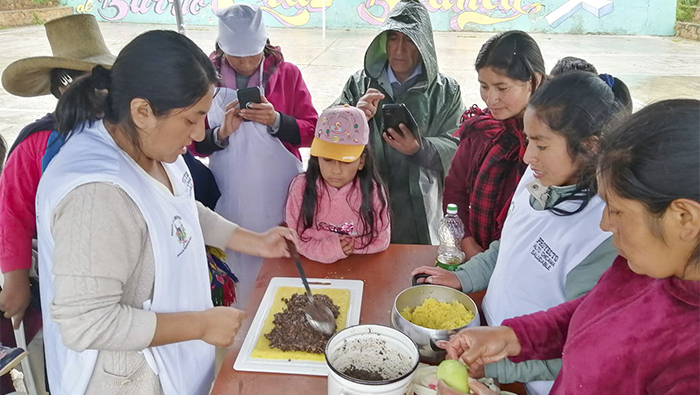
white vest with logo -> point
(181, 274)
(538, 250)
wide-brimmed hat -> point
(341, 134)
(76, 44)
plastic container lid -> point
(452, 208)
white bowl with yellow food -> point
(429, 313)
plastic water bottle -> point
(451, 232)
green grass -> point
(44, 2)
(36, 19)
(684, 10)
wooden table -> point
(385, 275)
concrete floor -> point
(654, 68)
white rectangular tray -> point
(246, 363)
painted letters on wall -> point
(653, 17)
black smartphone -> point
(397, 113)
(246, 96)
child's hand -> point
(347, 243)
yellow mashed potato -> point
(341, 298)
(438, 315)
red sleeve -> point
(18, 184)
(456, 189)
(304, 110)
(542, 335)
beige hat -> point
(76, 43)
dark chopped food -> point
(292, 332)
(362, 374)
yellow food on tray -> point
(438, 315)
(340, 297)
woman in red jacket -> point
(637, 331)
(488, 163)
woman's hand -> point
(263, 113)
(482, 345)
(270, 244)
(15, 296)
(438, 276)
(232, 120)
(274, 242)
(474, 385)
(369, 102)
(221, 324)
(405, 143)
(347, 243)
(470, 247)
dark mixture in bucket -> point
(292, 331)
(362, 374)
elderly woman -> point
(637, 331)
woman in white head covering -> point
(254, 150)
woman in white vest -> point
(551, 249)
(125, 292)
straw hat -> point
(76, 43)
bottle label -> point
(451, 263)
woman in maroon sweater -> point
(488, 163)
(638, 330)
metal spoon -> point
(317, 314)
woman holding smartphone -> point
(254, 150)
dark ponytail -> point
(82, 100)
(514, 54)
(654, 157)
(622, 94)
(578, 106)
(3, 151)
(163, 67)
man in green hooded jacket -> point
(401, 67)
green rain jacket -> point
(435, 102)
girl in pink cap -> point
(340, 205)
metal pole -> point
(177, 8)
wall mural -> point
(555, 16)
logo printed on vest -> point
(177, 229)
(187, 182)
(544, 254)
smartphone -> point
(397, 113)
(246, 96)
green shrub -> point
(684, 10)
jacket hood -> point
(411, 18)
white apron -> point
(253, 174)
(538, 250)
(181, 273)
